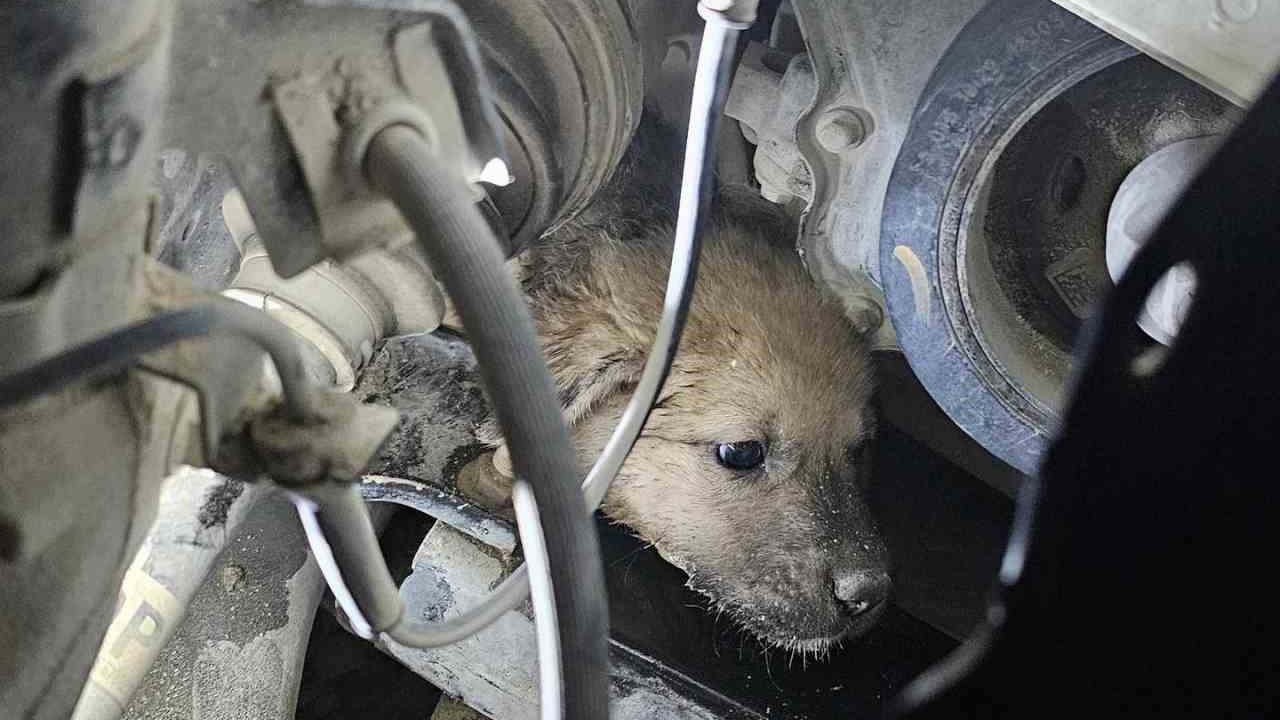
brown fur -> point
(764, 356)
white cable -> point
(719, 39)
(323, 554)
(532, 542)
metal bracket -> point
(287, 154)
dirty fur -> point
(764, 356)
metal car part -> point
(80, 139)
(494, 671)
(130, 428)
(225, 373)
(768, 103)
(870, 61)
(453, 510)
(57, 606)
(197, 515)
(875, 58)
(239, 651)
(192, 368)
(1160, 469)
(1147, 194)
(994, 220)
(341, 309)
(205, 230)
(564, 82)
(344, 309)
(1229, 46)
(1030, 243)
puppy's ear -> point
(581, 393)
(582, 388)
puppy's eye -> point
(740, 455)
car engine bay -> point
(913, 359)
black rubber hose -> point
(345, 526)
(462, 250)
(120, 350)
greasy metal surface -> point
(433, 382)
(84, 82)
(567, 68)
(1157, 484)
(873, 58)
(198, 513)
(454, 510)
(1027, 219)
(495, 671)
(1227, 45)
(239, 652)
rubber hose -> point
(461, 248)
(119, 350)
(710, 88)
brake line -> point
(398, 157)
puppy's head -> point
(751, 472)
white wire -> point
(529, 524)
(719, 36)
(323, 554)
(716, 37)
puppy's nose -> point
(861, 590)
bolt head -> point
(840, 130)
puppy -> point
(751, 472)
